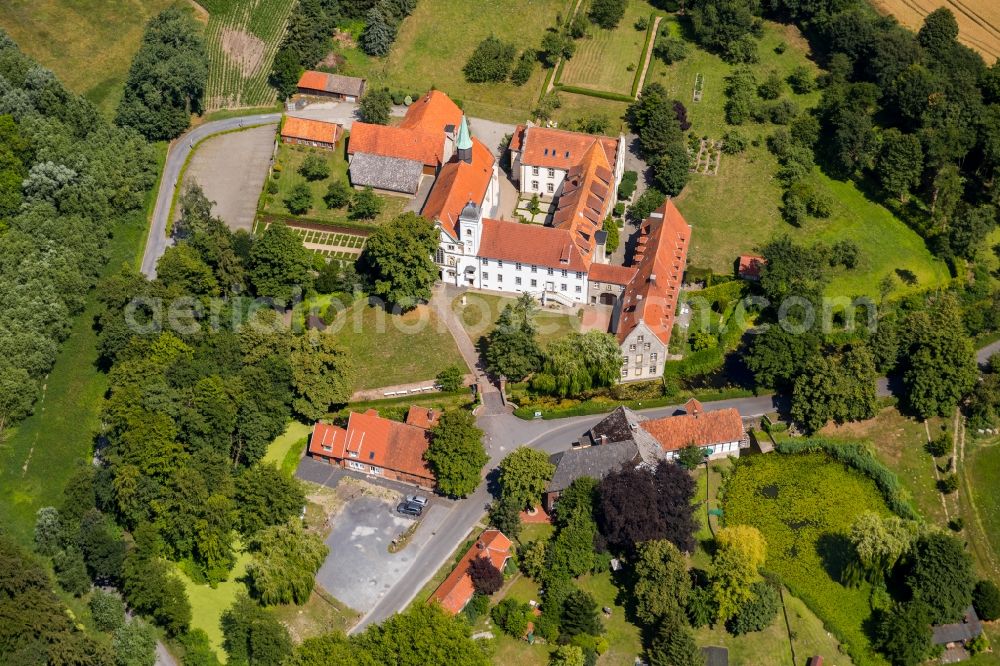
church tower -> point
(464, 143)
(470, 227)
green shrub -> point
(314, 168)
(478, 606)
(524, 68)
(948, 484)
(450, 379)
(939, 446)
(627, 187)
(986, 600)
(490, 62)
(756, 614)
(299, 199)
(512, 617)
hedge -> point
(861, 458)
(291, 220)
(695, 364)
(601, 94)
(645, 53)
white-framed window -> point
(451, 247)
(534, 171)
(639, 338)
(486, 276)
(638, 360)
(597, 285)
(372, 469)
(562, 287)
(647, 346)
(579, 275)
(552, 173)
(534, 185)
(625, 360)
(328, 448)
(517, 281)
(499, 277)
(439, 256)
(486, 262)
(534, 283)
(517, 265)
(624, 372)
(550, 188)
(354, 464)
(652, 369)
(534, 269)
(579, 289)
(631, 347)
(652, 357)
(551, 272)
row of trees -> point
(68, 180)
(166, 82)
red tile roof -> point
(373, 440)
(610, 273)
(333, 83)
(750, 265)
(457, 588)
(422, 417)
(547, 147)
(696, 427)
(311, 130)
(458, 183)
(651, 296)
(530, 244)
(399, 142)
(434, 112)
(585, 199)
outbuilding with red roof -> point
(322, 84)
(457, 589)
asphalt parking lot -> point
(359, 569)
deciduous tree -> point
(486, 578)
(279, 264)
(524, 475)
(456, 453)
(375, 106)
(739, 555)
(284, 563)
(397, 260)
(661, 583)
(939, 574)
(322, 374)
(253, 635)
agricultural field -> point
(242, 37)
(978, 20)
(434, 43)
(739, 209)
(286, 176)
(89, 44)
(982, 471)
(609, 60)
(804, 505)
(382, 344)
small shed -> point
(307, 132)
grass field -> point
(608, 59)
(434, 43)
(290, 158)
(480, 312)
(772, 647)
(738, 210)
(321, 614)
(805, 526)
(383, 344)
(984, 471)
(978, 20)
(242, 38)
(623, 636)
(208, 604)
(89, 44)
(899, 442)
(38, 455)
(283, 452)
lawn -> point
(609, 59)
(283, 452)
(89, 44)
(738, 210)
(382, 345)
(321, 614)
(899, 442)
(480, 313)
(435, 42)
(287, 163)
(38, 456)
(574, 107)
(805, 525)
(625, 642)
(208, 604)
(510, 650)
(983, 470)
(772, 647)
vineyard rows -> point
(242, 38)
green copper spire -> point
(464, 138)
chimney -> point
(652, 278)
(604, 439)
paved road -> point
(984, 354)
(157, 241)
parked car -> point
(410, 509)
(417, 499)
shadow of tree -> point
(836, 554)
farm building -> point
(374, 445)
(305, 132)
(627, 438)
(321, 84)
(748, 267)
(457, 589)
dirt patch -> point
(344, 39)
(245, 50)
(200, 13)
(333, 60)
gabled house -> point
(374, 445)
(306, 132)
(457, 589)
(627, 438)
(644, 319)
(321, 84)
(955, 637)
(394, 157)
